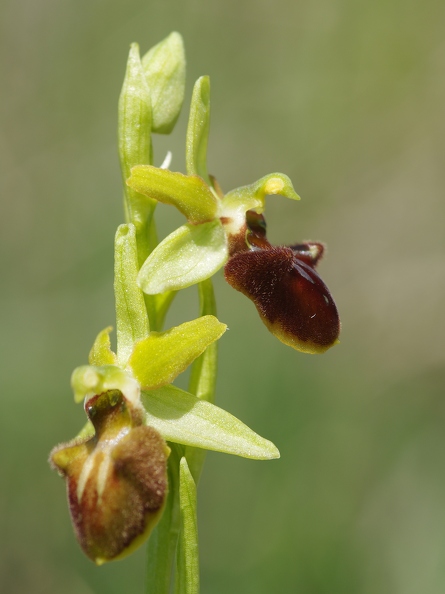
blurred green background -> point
(347, 98)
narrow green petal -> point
(253, 197)
(131, 315)
(198, 130)
(189, 193)
(164, 69)
(180, 417)
(101, 353)
(162, 356)
(187, 577)
(187, 256)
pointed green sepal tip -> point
(162, 356)
(189, 193)
(252, 197)
(164, 69)
(187, 256)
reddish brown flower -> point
(116, 480)
(292, 300)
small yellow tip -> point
(274, 186)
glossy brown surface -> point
(289, 295)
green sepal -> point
(189, 193)
(187, 566)
(134, 134)
(101, 353)
(162, 356)
(131, 314)
(88, 381)
(180, 417)
(253, 197)
(187, 256)
(164, 69)
(198, 130)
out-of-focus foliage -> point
(347, 99)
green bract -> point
(188, 555)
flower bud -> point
(116, 480)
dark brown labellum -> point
(290, 297)
(116, 480)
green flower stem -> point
(175, 521)
(202, 381)
(162, 303)
(202, 384)
(203, 374)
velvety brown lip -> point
(290, 296)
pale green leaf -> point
(187, 576)
(131, 314)
(189, 193)
(180, 417)
(198, 130)
(164, 69)
(162, 356)
(101, 353)
(187, 256)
